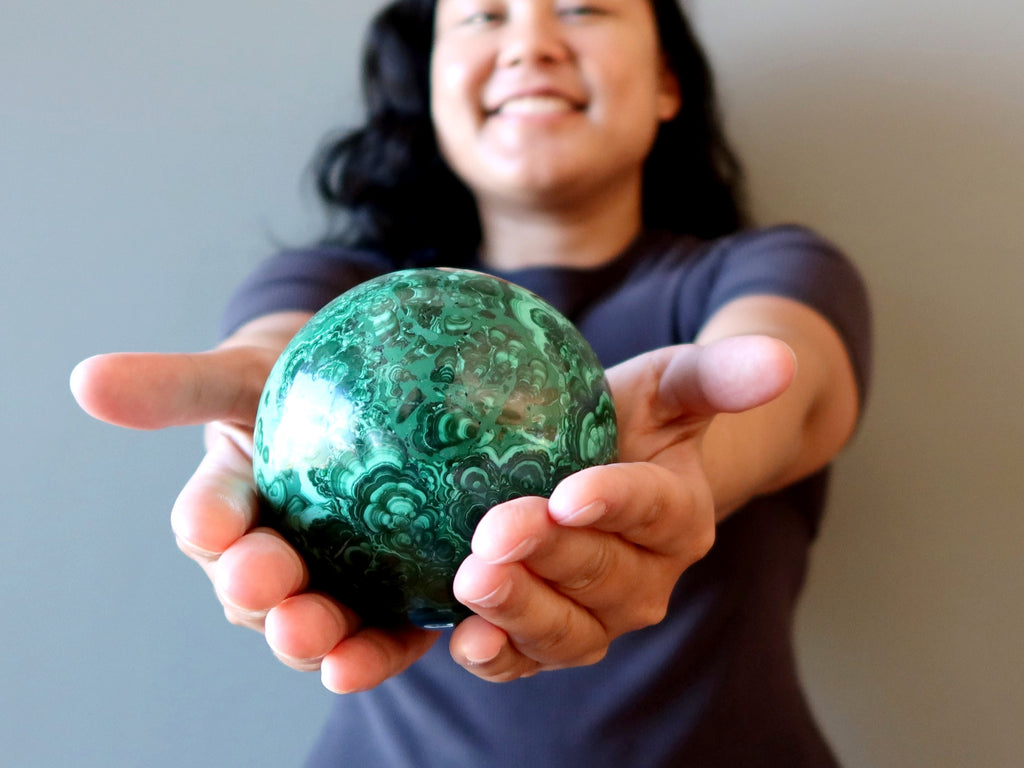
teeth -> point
(536, 105)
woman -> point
(641, 615)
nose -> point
(532, 38)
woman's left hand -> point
(553, 582)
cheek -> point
(458, 72)
(629, 100)
(445, 76)
(442, 82)
(453, 100)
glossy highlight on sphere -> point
(402, 412)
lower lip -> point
(537, 117)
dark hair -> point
(393, 192)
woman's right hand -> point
(258, 577)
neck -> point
(583, 236)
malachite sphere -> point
(402, 412)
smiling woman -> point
(642, 614)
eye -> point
(481, 18)
(580, 10)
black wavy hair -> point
(389, 189)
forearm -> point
(772, 446)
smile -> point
(536, 105)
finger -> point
(580, 562)
(543, 625)
(152, 391)
(694, 382)
(373, 655)
(664, 511)
(516, 531)
(728, 376)
(513, 530)
(485, 651)
(256, 573)
(218, 504)
(304, 628)
(623, 585)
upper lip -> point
(494, 104)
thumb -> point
(152, 391)
(726, 376)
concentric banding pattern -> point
(402, 412)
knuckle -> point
(647, 613)
(704, 541)
(698, 541)
(575, 640)
(655, 613)
(592, 573)
(555, 643)
(593, 656)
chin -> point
(542, 174)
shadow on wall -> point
(910, 630)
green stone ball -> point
(402, 412)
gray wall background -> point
(152, 153)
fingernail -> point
(518, 552)
(473, 661)
(196, 552)
(343, 690)
(494, 598)
(585, 514)
(303, 665)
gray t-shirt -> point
(715, 683)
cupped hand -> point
(553, 582)
(258, 577)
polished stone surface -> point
(402, 412)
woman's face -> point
(547, 101)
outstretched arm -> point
(553, 582)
